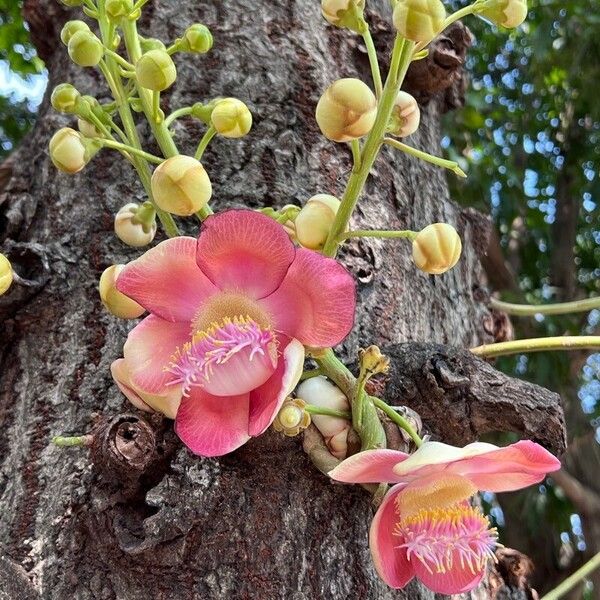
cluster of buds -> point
(436, 248)
(135, 225)
(419, 20)
(405, 117)
(313, 223)
(115, 302)
(344, 13)
(6, 274)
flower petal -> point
(457, 580)
(315, 302)
(370, 466)
(166, 280)
(390, 561)
(121, 378)
(212, 425)
(266, 400)
(244, 251)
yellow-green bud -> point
(65, 98)
(437, 248)
(117, 9)
(148, 44)
(231, 118)
(419, 20)
(116, 302)
(87, 129)
(291, 418)
(135, 225)
(347, 110)
(155, 70)
(70, 151)
(70, 28)
(6, 274)
(181, 186)
(507, 13)
(197, 38)
(405, 117)
(313, 223)
(343, 13)
(85, 49)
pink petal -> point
(316, 301)
(118, 371)
(212, 425)
(390, 561)
(166, 280)
(244, 251)
(266, 400)
(370, 466)
(454, 581)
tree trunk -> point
(261, 522)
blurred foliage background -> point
(529, 138)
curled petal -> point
(370, 466)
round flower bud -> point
(64, 98)
(6, 274)
(115, 302)
(70, 28)
(155, 70)
(292, 418)
(181, 186)
(135, 225)
(347, 110)
(87, 129)
(342, 13)
(405, 117)
(85, 49)
(437, 248)
(197, 38)
(148, 44)
(69, 151)
(313, 223)
(116, 9)
(507, 13)
(231, 118)
(419, 20)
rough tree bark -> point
(262, 522)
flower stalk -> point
(560, 308)
(565, 342)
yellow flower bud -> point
(70, 28)
(148, 44)
(231, 118)
(85, 49)
(87, 129)
(507, 13)
(419, 20)
(197, 38)
(373, 361)
(313, 223)
(135, 225)
(156, 70)
(406, 115)
(347, 110)
(64, 98)
(291, 418)
(69, 151)
(343, 13)
(115, 302)
(181, 186)
(437, 248)
(6, 274)
(117, 9)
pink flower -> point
(230, 316)
(425, 526)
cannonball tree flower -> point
(426, 527)
(230, 316)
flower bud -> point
(405, 117)
(85, 49)
(291, 418)
(87, 129)
(135, 225)
(437, 248)
(114, 301)
(343, 13)
(419, 20)
(231, 118)
(507, 13)
(6, 274)
(197, 38)
(181, 186)
(148, 44)
(373, 360)
(313, 223)
(117, 9)
(64, 98)
(155, 70)
(70, 28)
(70, 151)
(347, 110)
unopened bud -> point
(197, 38)
(148, 44)
(347, 110)
(313, 223)
(6, 274)
(64, 98)
(437, 248)
(181, 186)
(343, 13)
(70, 28)
(231, 118)
(156, 70)
(85, 49)
(507, 13)
(116, 302)
(419, 20)
(117, 9)
(70, 151)
(135, 225)
(291, 418)
(405, 117)
(87, 129)
(373, 361)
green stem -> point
(71, 441)
(570, 582)
(125, 148)
(311, 409)
(561, 308)
(355, 147)
(119, 59)
(176, 114)
(398, 419)
(436, 160)
(206, 138)
(566, 342)
(373, 62)
(310, 374)
(378, 233)
(156, 107)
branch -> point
(585, 500)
